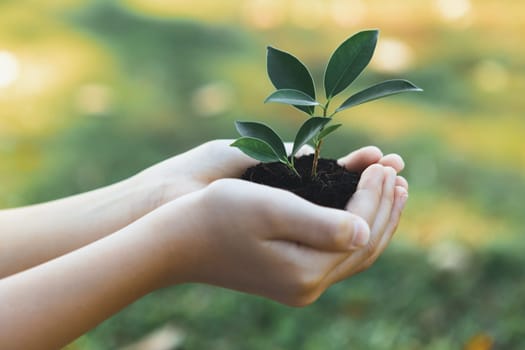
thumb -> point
(323, 228)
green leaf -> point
(264, 133)
(328, 130)
(256, 149)
(348, 61)
(291, 97)
(386, 88)
(288, 72)
(308, 131)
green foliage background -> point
(107, 88)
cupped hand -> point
(379, 199)
(213, 160)
(192, 170)
(269, 242)
(259, 239)
(197, 168)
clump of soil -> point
(332, 187)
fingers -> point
(217, 159)
(401, 196)
(374, 201)
(360, 159)
(385, 206)
(220, 160)
(402, 182)
(365, 201)
(320, 228)
(364, 230)
(282, 216)
(394, 161)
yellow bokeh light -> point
(263, 14)
(9, 69)
(347, 13)
(453, 9)
(392, 55)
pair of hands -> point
(85, 257)
(267, 241)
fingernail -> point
(361, 234)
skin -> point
(82, 259)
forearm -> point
(35, 234)
(50, 305)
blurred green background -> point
(93, 91)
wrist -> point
(161, 183)
(180, 230)
(144, 194)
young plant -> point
(295, 86)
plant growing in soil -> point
(295, 86)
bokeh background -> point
(93, 91)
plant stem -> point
(319, 143)
(316, 158)
(325, 108)
(294, 170)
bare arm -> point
(232, 234)
(32, 235)
(35, 234)
(52, 304)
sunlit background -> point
(93, 91)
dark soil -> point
(332, 187)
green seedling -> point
(295, 86)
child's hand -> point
(214, 160)
(270, 242)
